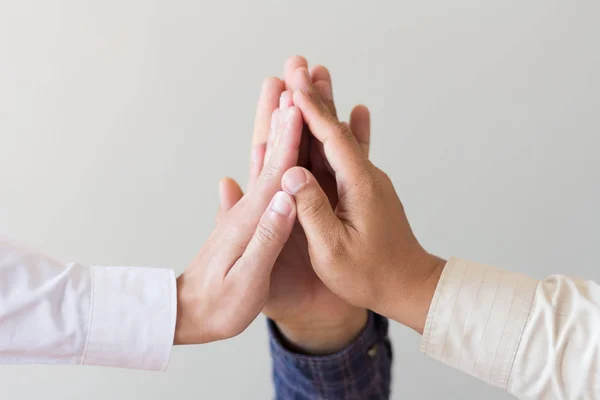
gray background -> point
(117, 118)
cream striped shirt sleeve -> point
(534, 339)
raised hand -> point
(228, 283)
(363, 249)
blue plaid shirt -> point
(360, 371)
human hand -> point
(227, 284)
(311, 318)
(364, 249)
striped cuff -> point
(476, 319)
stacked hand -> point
(352, 249)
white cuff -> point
(132, 320)
(476, 319)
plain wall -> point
(117, 118)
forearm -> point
(361, 370)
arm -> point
(534, 339)
(130, 317)
(52, 313)
(361, 370)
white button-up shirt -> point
(54, 313)
(535, 339)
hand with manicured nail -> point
(228, 283)
(363, 248)
(311, 317)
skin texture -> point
(227, 285)
(311, 317)
(362, 248)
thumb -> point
(271, 234)
(230, 193)
(314, 211)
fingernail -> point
(281, 204)
(294, 180)
(284, 100)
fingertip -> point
(293, 63)
(360, 125)
(320, 73)
(224, 182)
(272, 83)
(229, 193)
(286, 100)
(360, 111)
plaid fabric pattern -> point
(360, 371)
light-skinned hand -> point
(363, 249)
(228, 283)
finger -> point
(314, 212)
(256, 162)
(269, 100)
(285, 101)
(267, 103)
(360, 125)
(291, 65)
(268, 240)
(288, 126)
(230, 193)
(321, 78)
(341, 148)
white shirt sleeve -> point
(52, 313)
(534, 339)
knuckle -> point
(236, 231)
(313, 207)
(344, 131)
(373, 183)
(338, 247)
(271, 171)
(331, 120)
(335, 254)
(267, 234)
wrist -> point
(411, 303)
(187, 330)
(323, 337)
